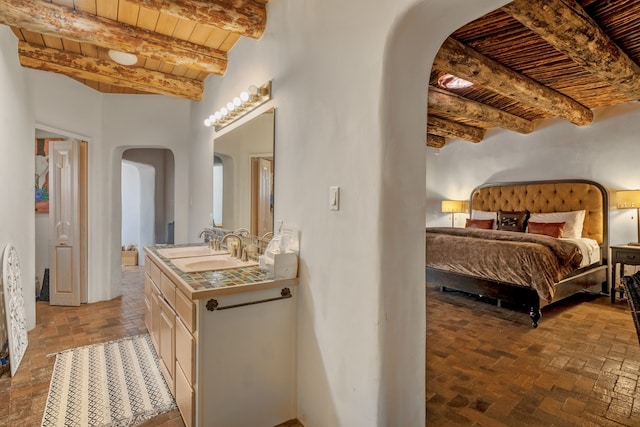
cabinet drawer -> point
(185, 308)
(185, 397)
(152, 270)
(627, 257)
(168, 290)
(185, 351)
(167, 338)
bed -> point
(558, 259)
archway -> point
(409, 53)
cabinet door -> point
(168, 343)
(185, 351)
(185, 397)
(154, 331)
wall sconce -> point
(630, 199)
(455, 206)
(242, 104)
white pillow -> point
(476, 214)
(574, 221)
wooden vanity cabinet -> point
(220, 362)
(170, 317)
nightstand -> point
(622, 255)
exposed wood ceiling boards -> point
(568, 28)
(178, 43)
(537, 59)
(462, 61)
(444, 102)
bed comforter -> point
(524, 259)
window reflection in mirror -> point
(243, 176)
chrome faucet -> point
(242, 232)
(213, 242)
(239, 249)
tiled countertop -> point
(207, 284)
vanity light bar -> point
(242, 104)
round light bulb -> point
(237, 101)
(231, 106)
(224, 111)
(207, 122)
(218, 115)
(244, 96)
(212, 118)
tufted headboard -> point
(550, 196)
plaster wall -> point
(130, 203)
(605, 151)
(111, 124)
(161, 161)
(17, 167)
(350, 99)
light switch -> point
(334, 198)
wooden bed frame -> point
(539, 196)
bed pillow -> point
(553, 229)
(477, 214)
(574, 221)
(485, 224)
(512, 221)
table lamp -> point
(630, 199)
(455, 206)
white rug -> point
(117, 383)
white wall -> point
(607, 151)
(351, 99)
(111, 124)
(17, 167)
(350, 96)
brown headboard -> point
(549, 196)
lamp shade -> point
(455, 206)
(628, 199)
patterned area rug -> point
(117, 383)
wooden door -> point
(261, 196)
(67, 222)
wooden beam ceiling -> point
(566, 26)
(245, 17)
(435, 141)
(450, 129)
(99, 70)
(53, 20)
(462, 61)
(441, 101)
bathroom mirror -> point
(243, 176)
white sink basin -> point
(189, 251)
(209, 263)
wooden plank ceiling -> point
(533, 60)
(178, 43)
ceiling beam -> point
(567, 27)
(435, 141)
(245, 17)
(450, 104)
(50, 19)
(451, 129)
(100, 70)
(462, 61)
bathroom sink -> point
(209, 263)
(189, 251)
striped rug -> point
(117, 383)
